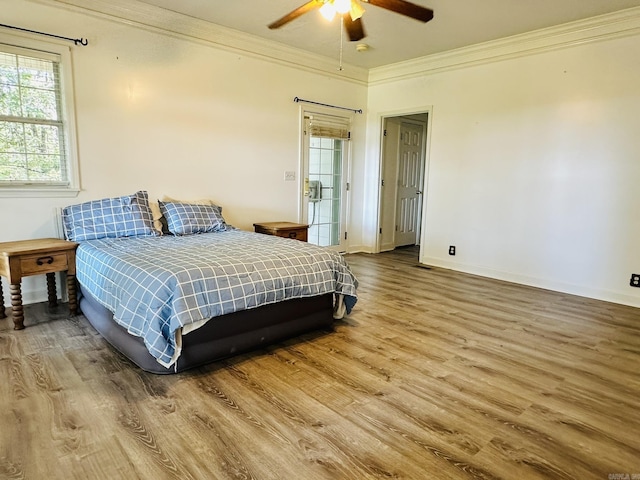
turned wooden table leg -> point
(2, 314)
(51, 289)
(71, 290)
(16, 304)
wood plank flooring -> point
(435, 375)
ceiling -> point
(392, 37)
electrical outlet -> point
(289, 176)
(635, 280)
(452, 250)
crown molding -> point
(158, 20)
(603, 27)
(141, 15)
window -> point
(36, 130)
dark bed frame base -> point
(220, 337)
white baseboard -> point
(579, 290)
(360, 249)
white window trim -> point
(68, 112)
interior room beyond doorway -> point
(403, 170)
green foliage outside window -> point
(32, 149)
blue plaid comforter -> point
(156, 285)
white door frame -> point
(303, 201)
(428, 110)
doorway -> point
(403, 170)
(325, 167)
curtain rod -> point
(78, 41)
(297, 100)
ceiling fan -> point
(351, 12)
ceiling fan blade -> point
(355, 29)
(403, 7)
(307, 7)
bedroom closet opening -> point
(403, 187)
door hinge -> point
(345, 235)
(382, 182)
(381, 231)
(385, 132)
(396, 228)
(348, 186)
(348, 135)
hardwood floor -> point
(435, 375)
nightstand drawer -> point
(35, 264)
(297, 233)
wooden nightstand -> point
(283, 229)
(37, 257)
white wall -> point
(181, 118)
(534, 167)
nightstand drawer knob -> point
(293, 234)
(42, 260)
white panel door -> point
(410, 179)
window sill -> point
(44, 192)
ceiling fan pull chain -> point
(341, 40)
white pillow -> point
(203, 201)
(156, 215)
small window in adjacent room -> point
(37, 140)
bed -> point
(202, 292)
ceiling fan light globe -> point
(342, 6)
(328, 11)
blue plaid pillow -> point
(188, 218)
(126, 216)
